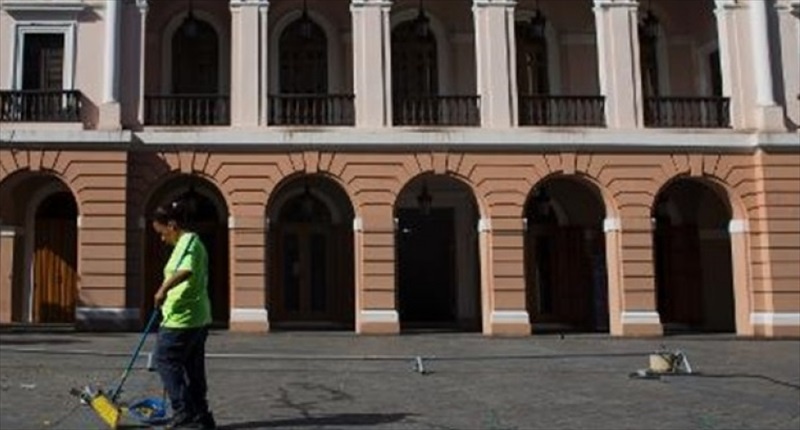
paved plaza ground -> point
(328, 380)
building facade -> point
(499, 166)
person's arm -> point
(172, 282)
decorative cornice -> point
(72, 7)
(236, 4)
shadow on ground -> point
(327, 420)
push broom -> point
(104, 404)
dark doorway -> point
(693, 267)
(55, 288)
(311, 258)
(426, 267)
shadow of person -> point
(348, 420)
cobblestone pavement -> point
(313, 380)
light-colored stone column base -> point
(378, 322)
(107, 319)
(249, 320)
(510, 323)
(641, 323)
(776, 324)
(110, 117)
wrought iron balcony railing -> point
(438, 111)
(40, 106)
(687, 112)
(311, 109)
(187, 109)
(562, 111)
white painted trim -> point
(358, 224)
(510, 317)
(10, 135)
(640, 317)
(10, 231)
(484, 225)
(612, 224)
(248, 315)
(379, 316)
(231, 222)
(73, 7)
(782, 319)
(79, 221)
(65, 28)
(459, 138)
(87, 313)
(738, 226)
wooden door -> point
(54, 270)
(304, 288)
(679, 275)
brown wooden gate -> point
(679, 275)
(54, 270)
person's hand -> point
(159, 297)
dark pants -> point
(180, 358)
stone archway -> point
(565, 257)
(438, 280)
(692, 256)
(310, 256)
(40, 244)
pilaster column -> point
(495, 58)
(376, 305)
(739, 230)
(631, 275)
(372, 62)
(618, 57)
(789, 33)
(502, 254)
(8, 235)
(143, 7)
(248, 230)
(768, 114)
(246, 92)
(110, 108)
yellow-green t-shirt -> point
(187, 304)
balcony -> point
(687, 112)
(187, 110)
(562, 111)
(437, 111)
(40, 106)
(311, 110)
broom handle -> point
(153, 317)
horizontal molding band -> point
(782, 319)
(248, 315)
(89, 313)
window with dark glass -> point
(532, 63)
(195, 59)
(648, 53)
(303, 58)
(43, 62)
(414, 58)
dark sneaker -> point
(205, 421)
(181, 420)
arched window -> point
(303, 58)
(195, 58)
(648, 43)
(414, 61)
(532, 63)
